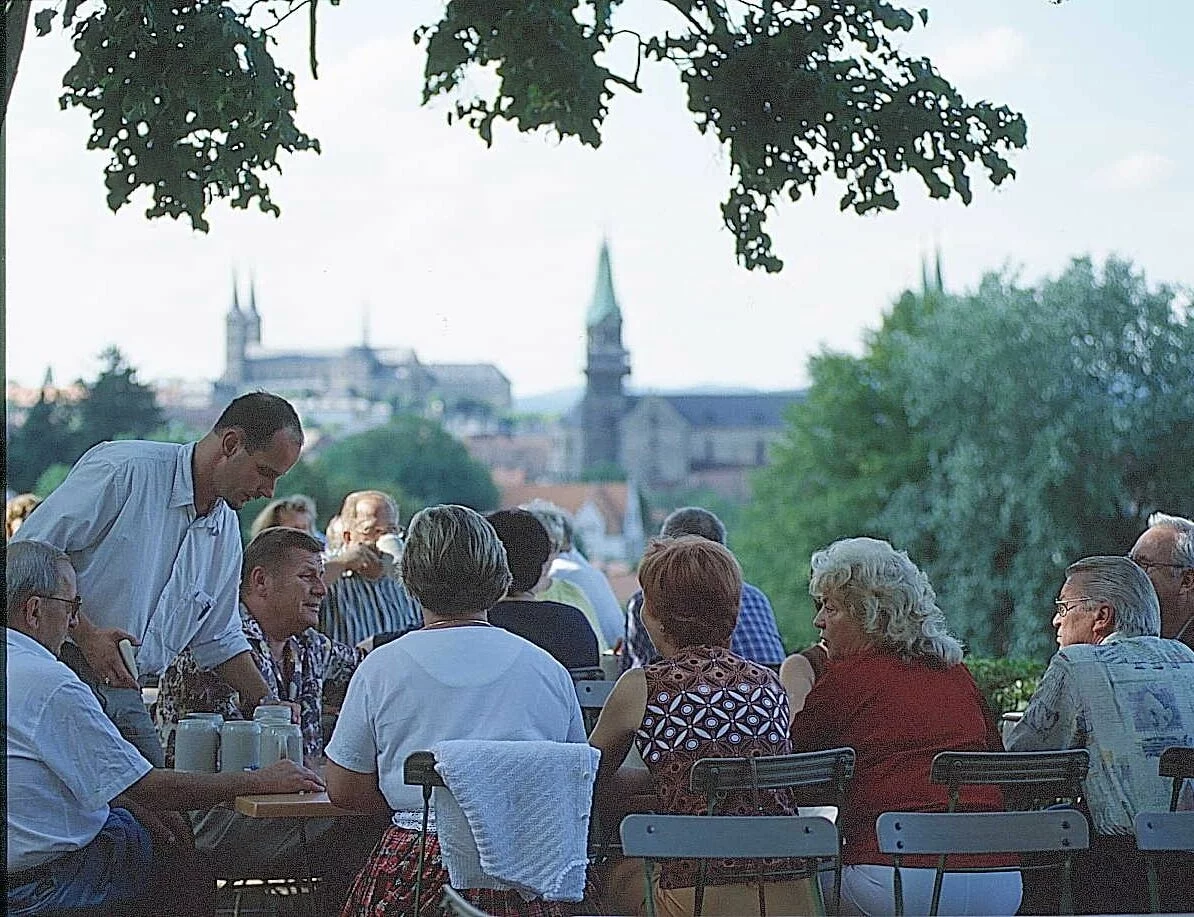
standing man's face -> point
(243, 475)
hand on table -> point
(285, 777)
(100, 647)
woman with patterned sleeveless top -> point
(698, 701)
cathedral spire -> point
(604, 302)
(235, 295)
(365, 325)
(252, 294)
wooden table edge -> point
(289, 805)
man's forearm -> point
(162, 790)
(243, 676)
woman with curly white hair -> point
(888, 680)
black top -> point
(562, 630)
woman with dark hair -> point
(562, 630)
(459, 677)
(698, 701)
(893, 687)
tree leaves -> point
(187, 100)
(997, 437)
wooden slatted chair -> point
(1051, 830)
(659, 837)
(1036, 778)
(1162, 832)
(831, 768)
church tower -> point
(253, 320)
(607, 363)
(236, 332)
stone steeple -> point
(253, 320)
(606, 365)
(236, 332)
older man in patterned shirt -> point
(755, 637)
(1124, 693)
(280, 594)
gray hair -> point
(1183, 542)
(31, 568)
(554, 519)
(888, 595)
(1124, 586)
(454, 564)
(692, 520)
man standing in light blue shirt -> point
(152, 532)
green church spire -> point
(604, 303)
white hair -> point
(1124, 586)
(1183, 542)
(888, 595)
(31, 568)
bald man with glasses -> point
(1165, 551)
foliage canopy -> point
(997, 437)
(188, 100)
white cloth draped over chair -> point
(516, 815)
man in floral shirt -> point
(280, 594)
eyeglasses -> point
(1061, 609)
(1146, 565)
(74, 603)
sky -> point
(466, 253)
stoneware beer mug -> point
(240, 745)
(196, 745)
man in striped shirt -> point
(366, 599)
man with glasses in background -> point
(1124, 693)
(1166, 553)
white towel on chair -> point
(522, 819)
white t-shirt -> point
(456, 683)
(65, 758)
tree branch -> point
(16, 24)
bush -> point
(1007, 684)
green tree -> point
(116, 405)
(43, 439)
(414, 460)
(995, 436)
(1057, 419)
(188, 101)
(848, 446)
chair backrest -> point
(717, 777)
(592, 696)
(588, 673)
(454, 905)
(902, 833)
(1165, 831)
(659, 837)
(1177, 762)
(1042, 776)
(419, 770)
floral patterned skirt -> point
(386, 884)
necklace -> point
(466, 622)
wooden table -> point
(289, 805)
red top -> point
(897, 716)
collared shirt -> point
(357, 608)
(1126, 700)
(65, 759)
(146, 563)
(571, 566)
(755, 637)
(309, 660)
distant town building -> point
(352, 381)
(662, 440)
